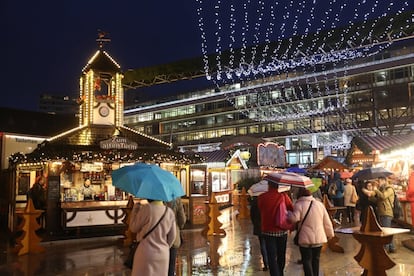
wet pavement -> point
(236, 253)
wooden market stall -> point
(213, 176)
(82, 159)
(395, 153)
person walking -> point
(275, 237)
(180, 219)
(383, 196)
(349, 191)
(337, 196)
(153, 253)
(364, 191)
(315, 230)
(254, 191)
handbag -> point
(296, 237)
(134, 245)
(354, 196)
(281, 217)
(130, 258)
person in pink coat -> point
(314, 231)
(153, 253)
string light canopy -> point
(293, 55)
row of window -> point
(321, 124)
(284, 100)
(360, 104)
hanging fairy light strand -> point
(254, 43)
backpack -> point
(332, 189)
(396, 207)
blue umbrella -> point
(296, 170)
(147, 181)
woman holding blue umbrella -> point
(153, 252)
(154, 223)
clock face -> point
(104, 111)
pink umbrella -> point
(289, 179)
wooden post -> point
(244, 211)
(29, 242)
(332, 243)
(235, 197)
(372, 256)
(213, 224)
(129, 236)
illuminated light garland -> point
(145, 155)
(303, 38)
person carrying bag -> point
(134, 245)
(153, 252)
(296, 238)
(315, 229)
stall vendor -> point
(87, 190)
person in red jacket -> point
(410, 192)
(275, 237)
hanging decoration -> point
(286, 60)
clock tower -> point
(101, 93)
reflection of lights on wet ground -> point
(231, 258)
(225, 219)
(200, 259)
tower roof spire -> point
(103, 37)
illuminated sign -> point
(222, 198)
(271, 154)
(118, 143)
(91, 167)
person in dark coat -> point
(38, 194)
(256, 221)
(363, 187)
(338, 197)
(180, 219)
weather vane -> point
(102, 38)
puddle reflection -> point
(235, 253)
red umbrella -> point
(290, 179)
(346, 174)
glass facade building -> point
(312, 114)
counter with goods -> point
(92, 213)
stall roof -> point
(216, 156)
(92, 135)
(331, 162)
(83, 144)
(223, 156)
(368, 144)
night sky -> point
(45, 44)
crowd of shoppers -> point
(156, 254)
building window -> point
(254, 129)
